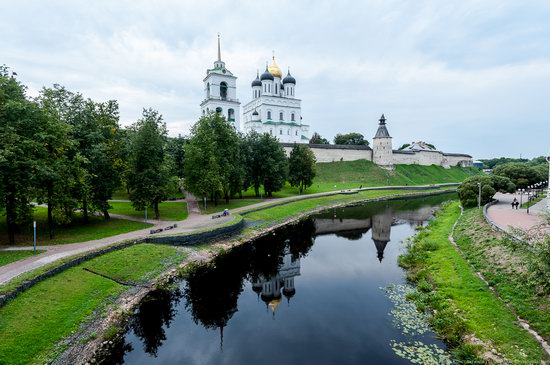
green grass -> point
(33, 323)
(169, 211)
(343, 175)
(77, 231)
(7, 257)
(282, 212)
(505, 266)
(463, 302)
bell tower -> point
(220, 92)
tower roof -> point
(382, 131)
(266, 75)
(289, 79)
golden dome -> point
(274, 69)
(273, 304)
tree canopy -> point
(468, 191)
(301, 167)
(317, 139)
(351, 139)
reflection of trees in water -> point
(352, 235)
(212, 291)
(155, 311)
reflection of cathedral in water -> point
(271, 289)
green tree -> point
(148, 173)
(213, 159)
(265, 163)
(317, 139)
(351, 139)
(21, 122)
(176, 155)
(521, 174)
(468, 191)
(301, 167)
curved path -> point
(194, 221)
(506, 218)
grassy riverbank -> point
(460, 303)
(506, 266)
(33, 323)
(58, 306)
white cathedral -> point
(274, 108)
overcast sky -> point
(467, 76)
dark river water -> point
(312, 293)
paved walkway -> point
(506, 218)
(194, 221)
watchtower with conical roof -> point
(382, 152)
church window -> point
(276, 88)
(223, 90)
(281, 131)
(281, 116)
(269, 114)
(288, 132)
(296, 132)
(208, 90)
(208, 110)
(231, 115)
(292, 117)
(271, 131)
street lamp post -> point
(521, 196)
(548, 191)
(479, 196)
(529, 197)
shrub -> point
(468, 191)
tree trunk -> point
(156, 209)
(85, 210)
(106, 215)
(11, 217)
(226, 198)
(51, 231)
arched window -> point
(208, 90)
(208, 110)
(288, 132)
(292, 117)
(271, 131)
(231, 115)
(269, 114)
(281, 131)
(223, 90)
(281, 115)
(203, 112)
(296, 132)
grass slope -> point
(7, 257)
(169, 211)
(40, 317)
(505, 266)
(76, 231)
(462, 302)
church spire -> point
(219, 49)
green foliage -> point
(176, 155)
(148, 179)
(405, 145)
(459, 302)
(522, 174)
(21, 152)
(352, 138)
(491, 163)
(317, 139)
(213, 163)
(468, 191)
(7, 257)
(265, 163)
(301, 167)
(539, 265)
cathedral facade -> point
(274, 108)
